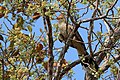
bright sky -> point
(71, 54)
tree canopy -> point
(33, 51)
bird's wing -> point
(78, 43)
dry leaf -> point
(45, 64)
(36, 15)
(39, 47)
(55, 64)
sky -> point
(71, 54)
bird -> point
(76, 42)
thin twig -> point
(64, 50)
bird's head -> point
(61, 18)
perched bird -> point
(76, 42)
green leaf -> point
(84, 2)
(29, 28)
(1, 38)
(99, 33)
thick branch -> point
(50, 50)
(107, 65)
(109, 42)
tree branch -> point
(70, 66)
(50, 50)
(106, 22)
(109, 42)
(107, 65)
(92, 19)
(90, 32)
(64, 50)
